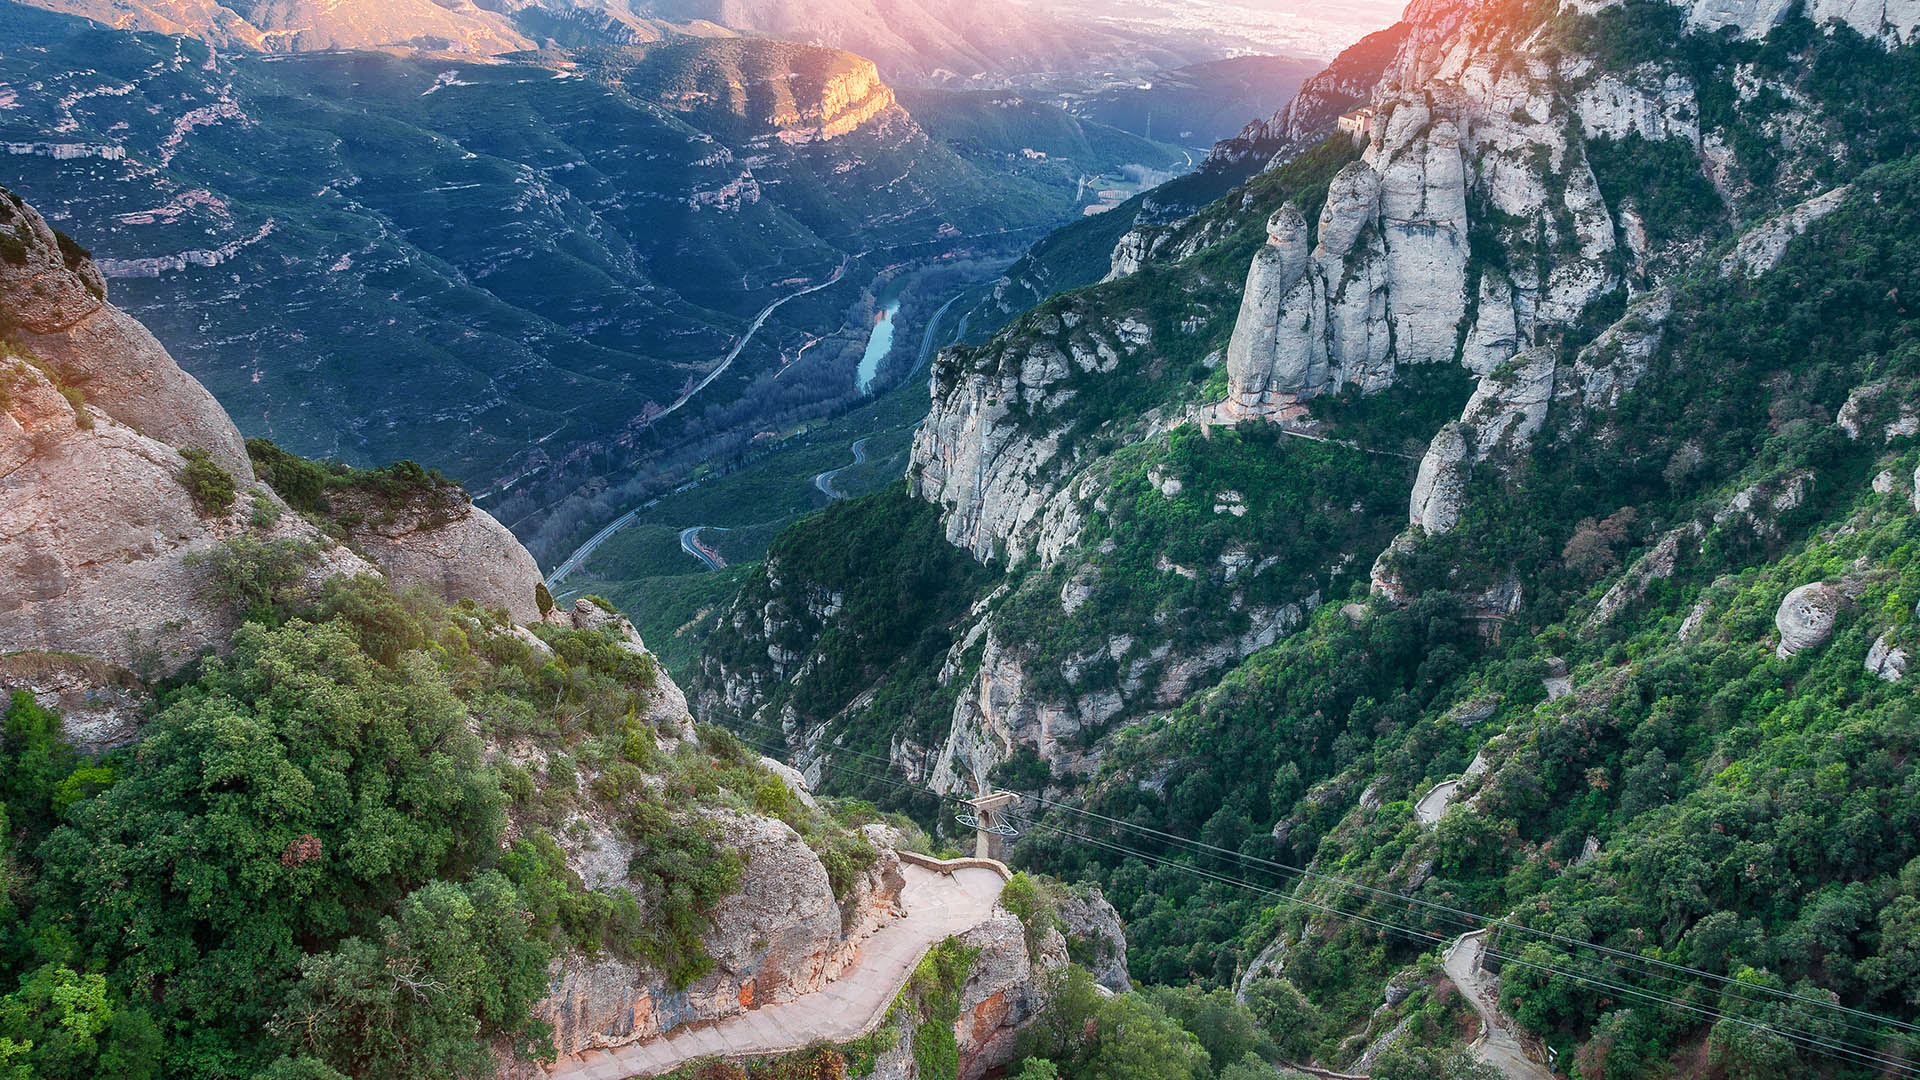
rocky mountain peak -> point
(795, 93)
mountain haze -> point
(288, 226)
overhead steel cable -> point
(1851, 1051)
(1854, 1052)
(1505, 924)
(1465, 918)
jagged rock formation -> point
(1762, 248)
(1005, 991)
(987, 452)
(998, 711)
(1887, 660)
(1087, 917)
(1181, 239)
(1007, 984)
(1390, 280)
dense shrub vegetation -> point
(337, 494)
(873, 588)
(1695, 799)
(1753, 814)
(299, 870)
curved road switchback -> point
(1497, 1045)
(824, 481)
(937, 906)
(572, 562)
(690, 543)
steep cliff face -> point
(1476, 221)
(847, 100)
(1392, 279)
(989, 452)
(1493, 206)
(106, 546)
(795, 93)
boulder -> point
(1806, 617)
(1003, 993)
(1886, 659)
(454, 549)
(1096, 936)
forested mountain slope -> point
(1503, 514)
(304, 776)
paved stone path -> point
(1497, 1045)
(938, 906)
(1433, 806)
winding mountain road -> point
(690, 543)
(752, 329)
(933, 327)
(572, 562)
(1433, 805)
(824, 481)
(938, 905)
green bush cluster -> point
(345, 496)
(299, 869)
(260, 579)
(210, 485)
(1121, 1037)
